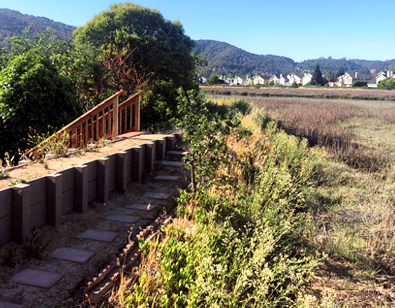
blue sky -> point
(300, 29)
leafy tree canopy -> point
(161, 48)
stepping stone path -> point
(169, 163)
(167, 178)
(141, 207)
(73, 255)
(98, 235)
(123, 218)
(156, 195)
(44, 279)
(36, 278)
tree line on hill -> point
(223, 58)
(13, 23)
(46, 81)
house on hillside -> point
(226, 79)
(345, 80)
(275, 79)
(294, 79)
(261, 79)
(283, 80)
(306, 78)
(239, 80)
(374, 82)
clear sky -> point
(301, 30)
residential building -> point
(306, 78)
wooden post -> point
(138, 113)
(115, 120)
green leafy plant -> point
(36, 245)
(16, 182)
(11, 256)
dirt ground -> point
(37, 170)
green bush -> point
(33, 94)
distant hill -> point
(223, 57)
(333, 65)
(13, 23)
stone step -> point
(123, 218)
(168, 163)
(156, 195)
(98, 235)
(36, 278)
(167, 178)
(177, 153)
(72, 255)
(141, 207)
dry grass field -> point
(352, 204)
(348, 93)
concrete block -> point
(72, 255)
(160, 149)
(141, 207)
(167, 178)
(5, 202)
(81, 189)
(103, 178)
(123, 218)
(169, 163)
(67, 190)
(179, 138)
(5, 229)
(156, 195)
(137, 162)
(98, 235)
(150, 157)
(54, 199)
(36, 278)
(21, 213)
(170, 142)
(122, 173)
(112, 181)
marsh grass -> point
(351, 204)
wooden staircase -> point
(105, 121)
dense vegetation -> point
(43, 74)
(13, 23)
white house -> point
(306, 78)
(275, 79)
(283, 80)
(374, 82)
(294, 79)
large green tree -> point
(317, 76)
(160, 47)
(158, 51)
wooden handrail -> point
(105, 120)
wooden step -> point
(177, 153)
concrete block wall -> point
(45, 200)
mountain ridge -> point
(13, 23)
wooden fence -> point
(105, 121)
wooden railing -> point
(104, 121)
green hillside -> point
(222, 57)
(13, 23)
(225, 58)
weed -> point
(10, 258)
(4, 175)
(17, 182)
(36, 245)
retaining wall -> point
(47, 199)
